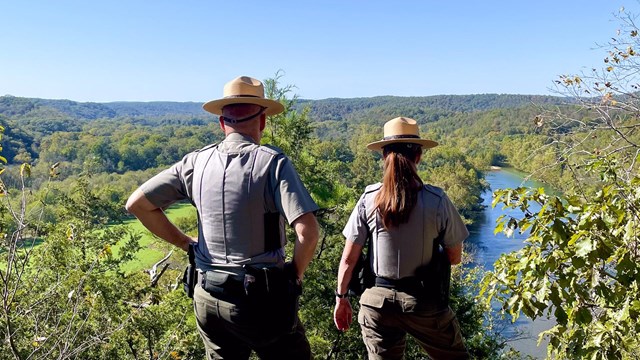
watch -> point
(342, 296)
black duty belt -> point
(409, 284)
(255, 282)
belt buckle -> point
(203, 278)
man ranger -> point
(245, 295)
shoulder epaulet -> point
(373, 187)
(207, 147)
(273, 150)
(434, 190)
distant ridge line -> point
(12, 107)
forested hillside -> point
(74, 164)
(12, 106)
(327, 109)
(358, 108)
(29, 122)
(475, 132)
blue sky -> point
(186, 50)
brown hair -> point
(400, 183)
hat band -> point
(393, 137)
(243, 96)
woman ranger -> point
(403, 218)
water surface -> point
(488, 248)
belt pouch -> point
(213, 282)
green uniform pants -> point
(386, 316)
(228, 333)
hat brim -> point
(378, 145)
(215, 106)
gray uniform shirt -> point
(232, 185)
(399, 251)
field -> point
(152, 249)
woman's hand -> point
(342, 314)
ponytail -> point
(400, 184)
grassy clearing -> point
(152, 249)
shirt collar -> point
(240, 137)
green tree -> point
(366, 166)
(57, 290)
(581, 260)
(63, 294)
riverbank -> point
(487, 248)
(525, 179)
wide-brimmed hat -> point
(401, 130)
(243, 90)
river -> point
(488, 248)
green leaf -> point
(577, 262)
(623, 314)
(574, 209)
(554, 296)
(561, 316)
(558, 230)
(584, 247)
(496, 199)
(583, 316)
(529, 309)
(574, 238)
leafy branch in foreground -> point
(580, 265)
(63, 293)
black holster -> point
(436, 278)
(189, 278)
(274, 293)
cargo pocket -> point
(373, 298)
(232, 313)
(371, 301)
(202, 308)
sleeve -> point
(291, 196)
(455, 231)
(171, 185)
(357, 229)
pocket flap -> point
(372, 298)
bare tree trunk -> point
(9, 337)
(150, 345)
(134, 352)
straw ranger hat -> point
(401, 130)
(243, 90)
